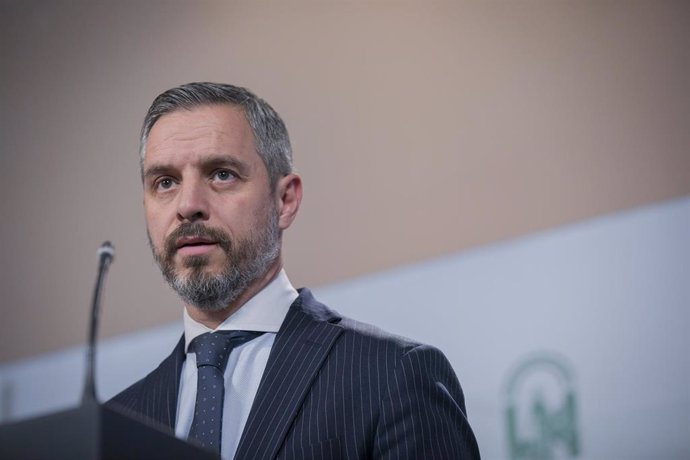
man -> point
(301, 381)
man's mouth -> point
(192, 246)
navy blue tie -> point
(212, 350)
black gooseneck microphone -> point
(106, 254)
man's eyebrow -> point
(218, 161)
(156, 170)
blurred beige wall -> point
(420, 128)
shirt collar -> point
(264, 312)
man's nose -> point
(193, 203)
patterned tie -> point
(212, 350)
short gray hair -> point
(270, 134)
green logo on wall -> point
(541, 410)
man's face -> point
(211, 216)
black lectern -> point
(92, 432)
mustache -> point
(196, 230)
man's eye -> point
(224, 175)
(164, 183)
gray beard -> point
(246, 261)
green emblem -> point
(541, 410)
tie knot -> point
(213, 348)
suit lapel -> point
(299, 351)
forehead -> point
(205, 130)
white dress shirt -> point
(264, 312)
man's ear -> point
(288, 199)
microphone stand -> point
(106, 254)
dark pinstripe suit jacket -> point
(335, 388)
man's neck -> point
(212, 319)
